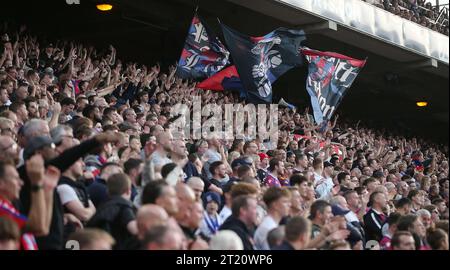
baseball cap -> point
(378, 174)
(338, 211)
(212, 197)
(239, 162)
(35, 144)
(327, 164)
(262, 156)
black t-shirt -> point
(113, 216)
(237, 226)
(54, 240)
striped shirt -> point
(27, 240)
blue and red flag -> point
(203, 54)
(260, 61)
(330, 75)
(226, 79)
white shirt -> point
(66, 194)
(351, 217)
(21, 159)
(204, 228)
(225, 213)
(323, 186)
(160, 160)
(263, 230)
(211, 156)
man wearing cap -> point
(45, 146)
(235, 165)
(340, 207)
(322, 178)
(211, 219)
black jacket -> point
(373, 224)
(237, 226)
(113, 217)
(82, 195)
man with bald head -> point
(159, 192)
(163, 238)
(186, 197)
(179, 153)
(149, 216)
(163, 148)
(9, 149)
(189, 216)
(197, 185)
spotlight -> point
(422, 104)
(104, 7)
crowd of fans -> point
(418, 11)
(88, 161)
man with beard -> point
(81, 103)
(92, 113)
(32, 107)
(163, 148)
(218, 172)
(179, 153)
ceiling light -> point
(104, 7)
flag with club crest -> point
(203, 54)
(330, 75)
(260, 61)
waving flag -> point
(203, 54)
(260, 61)
(330, 75)
(226, 79)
